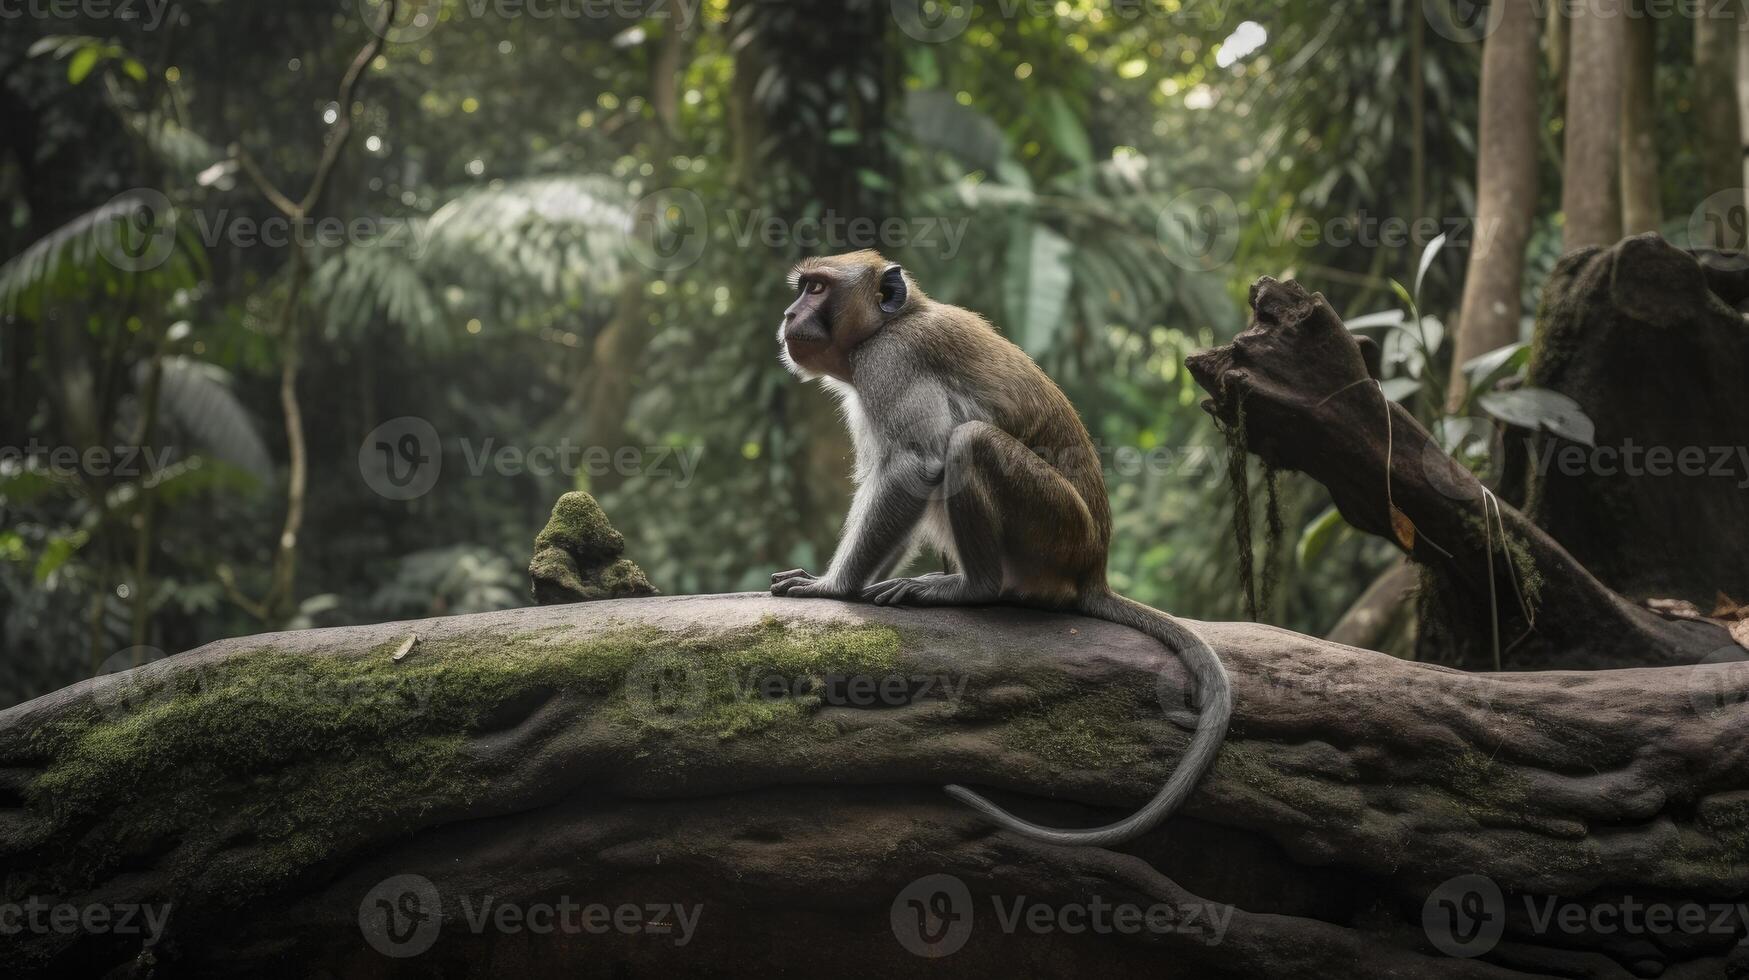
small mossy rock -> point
(579, 557)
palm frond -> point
(197, 399)
(135, 241)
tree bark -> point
(1642, 207)
(1308, 404)
(1590, 189)
(1743, 88)
(1717, 132)
(1645, 339)
(633, 752)
(1505, 192)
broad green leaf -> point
(1383, 318)
(1487, 368)
(1400, 389)
(57, 552)
(1038, 273)
(936, 120)
(1318, 536)
(1065, 129)
(1540, 408)
(82, 63)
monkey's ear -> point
(894, 292)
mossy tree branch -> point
(780, 763)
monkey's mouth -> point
(790, 362)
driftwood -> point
(1302, 382)
(774, 767)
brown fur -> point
(955, 342)
(964, 443)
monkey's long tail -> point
(1215, 697)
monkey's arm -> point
(885, 512)
(902, 454)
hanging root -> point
(1239, 483)
(1272, 535)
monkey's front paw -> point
(798, 584)
(934, 589)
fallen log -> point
(767, 772)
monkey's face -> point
(810, 348)
(836, 309)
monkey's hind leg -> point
(1020, 530)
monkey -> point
(963, 444)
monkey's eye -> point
(816, 287)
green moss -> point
(1726, 818)
(577, 557)
(624, 577)
(1089, 731)
(271, 762)
(1488, 791)
(580, 526)
(1255, 764)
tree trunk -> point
(1743, 88)
(1642, 208)
(1556, 30)
(1644, 338)
(303, 799)
(1505, 192)
(1590, 188)
(1719, 141)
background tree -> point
(1506, 192)
(1717, 130)
(1642, 208)
(1590, 186)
